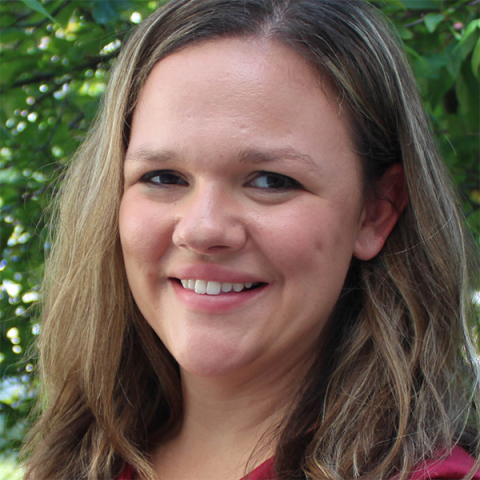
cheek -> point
(145, 231)
(309, 239)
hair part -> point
(396, 382)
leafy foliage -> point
(442, 39)
(55, 57)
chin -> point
(212, 359)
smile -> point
(205, 287)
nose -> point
(209, 223)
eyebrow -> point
(249, 155)
(146, 154)
(265, 156)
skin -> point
(210, 120)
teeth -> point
(213, 288)
(203, 287)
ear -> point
(381, 212)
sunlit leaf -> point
(9, 175)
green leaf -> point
(476, 60)
(469, 40)
(421, 4)
(452, 5)
(472, 26)
(405, 33)
(11, 34)
(103, 12)
(455, 34)
(439, 86)
(454, 64)
(5, 134)
(432, 20)
(394, 3)
(38, 7)
(414, 55)
(468, 96)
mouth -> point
(206, 287)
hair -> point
(396, 383)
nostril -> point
(209, 234)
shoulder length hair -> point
(398, 383)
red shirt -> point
(456, 466)
(264, 471)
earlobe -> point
(381, 212)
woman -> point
(259, 264)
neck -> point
(231, 417)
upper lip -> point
(214, 273)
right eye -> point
(163, 177)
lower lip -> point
(222, 303)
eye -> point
(274, 181)
(163, 177)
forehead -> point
(230, 71)
(238, 94)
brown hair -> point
(399, 383)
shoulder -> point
(458, 464)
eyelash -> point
(148, 178)
(288, 183)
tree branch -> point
(416, 22)
(49, 75)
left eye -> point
(163, 177)
(274, 181)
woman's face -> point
(239, 171)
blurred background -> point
(55, 58)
